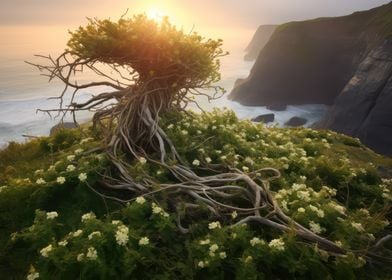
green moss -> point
(333, 178)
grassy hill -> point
(55, 225)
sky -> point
(42, 25)
(213, 13)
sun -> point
(155, 14)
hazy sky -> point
(42, 25)
(217, 13)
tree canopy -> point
(153, 50)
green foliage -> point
(327, 184)
(151, 49)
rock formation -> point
(364, 107)
(62, 125)
(265, 118)
(296, 121)
(311, 61)
(345, 62)
(259, 40)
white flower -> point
(100, 157)
(331, 191)
(277, 244)
(70, 157)
(2, 188)
(166, 215)
(78, 151)
(77, 233)
(361, 261)
(60, 180)
(214, 225)
(116, 222)
(199, 132)
(304, 195)
(63, 243)
(234, 214)
(144, 241)
(92, 253)
(364, 211)
(202, 264)
(319, 212)
(357, 226)
(245, 168)
(255, 240)
(88, 216)
(222, 255)
(339, 243)
(249, 160)
(95, 233)
(32, 276)
(315, 227)
(248, 259)
(337, 207)
(170, 126)
(156, 209)
(40, 181)
(284, 205)
(196, 162)
(80, 257)
(298, 187)
(223, 157)
(45, 251)
(70, 168)
(142, 160)
(82, 177)
(85, 140)
(213, 248)
(302, 178)
(52, 168)
(122, 235)
(39, 171)
(208, 159)
(140, 200)
(204, 242)
(184, 132)
(301, 210)
(51, 215)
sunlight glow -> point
(155, 14)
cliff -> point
(259, 40)
(311, 61)
(363, 108)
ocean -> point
(23, 90)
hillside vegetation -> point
(56, 224)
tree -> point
(153, 69)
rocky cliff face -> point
(312, 61)
(364, 108)
(259, 40)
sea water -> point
(23, 90)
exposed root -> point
(129, 120)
